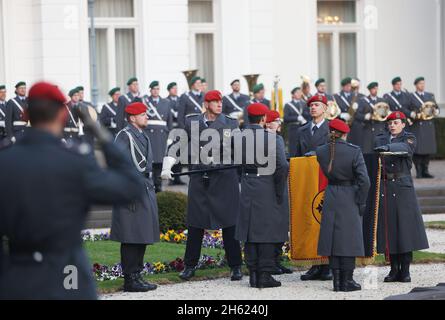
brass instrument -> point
(277, 97)
(92, 113)
(381, 112)
(333, 111)
(252, 81)
(305, 86)
(428, 111)
(189, 75)
(354, 105)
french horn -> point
(428, 111)
(333, 111)
(381, 112)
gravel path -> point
(293, 289)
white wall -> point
(2, 59)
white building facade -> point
(374, 40)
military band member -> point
(213, 198)
(364, 129)
(274, 125)
(259, 95)
(424, 130)
(398, 99)
(306, 89)
(137, 225)
(205, 86)
(312, 135)
(401, 228)
(191, 103)
(16, 119)
(262, 223)
(160, 122)
(320, 84)
(296, 115)
(3, 136)
(109, 111)
(72, 130)
(344, 99)
(133, 95)
(341, 234)
(81, 91)
(236, 102)
(356, 84)
(64, 183)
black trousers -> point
(194, 245)
(399, 259)
(260, 257)
(157, 180)
(132, 258)
(422, 161)
(342, 263)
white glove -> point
(368, 116)
(13, 140)
(302, 120)
(345, 116)
(413, 115)
(436, 112)
(167, 166)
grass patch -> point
(439, 225)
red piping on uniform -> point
(385, 201)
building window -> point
(338, 32)
(202, 38)
(116, 25)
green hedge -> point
(172, 210)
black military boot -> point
(150, 286)
(188, 273)
(419, 172)
(404, 275)
(285, 270)
(236, 274)
(265, 280)
(394, 274)
(426, 172)
(313, 274)
(347, 283)
(326, 273)
(132, 283)
(337, 279)
(253, 279)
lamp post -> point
(93, 57)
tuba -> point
(428, 111)
(333, 111)
(189, 75)
(252, 81)
(305, 86)
(381, 112)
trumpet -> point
(333, 111)
(381, 112)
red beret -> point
(136, 108)
(272, 116)
(339, 125)
(46, 91)
(396, 116)
(213, 95)
(318, 98)
(257, 109)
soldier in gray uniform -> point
(364, 129)
(401, 228)
(71, 130)
(133, 95)
(341, 234)
(3, 136)
(398, 99)
(424, 130)
(108, 114)
(137, 225)
(236, 101)
(259, 95)
(344, 99)
(311, 136)
(320, 84)
(213, 198)
(81, 91)
(173, 98)
(160, 122)
(262, 224)
(296, 115)
(16, 119)
(191, 103)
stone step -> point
(432, 201)
(433, 209)
(431, 192)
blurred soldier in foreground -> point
(137, 225)
(400, 229)
(3, 136)
(262, 223)
(16, 117)
(213, 198)
(133, 95)
(296, 115)
(273, 125)
(45, 200)
(341, 235)
(109, 111)
(423, 128)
